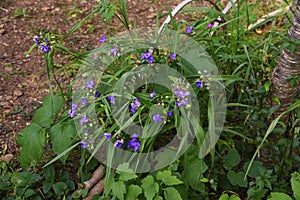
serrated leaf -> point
(278, 195)
(232, 159)
(125, 176)
(133, 192)
(119, 189)
(167, 178)
(61, 136)
(32, 140)
(171, 193)
(150, 187)
(295, 181)
(237, 178)
(192, 175)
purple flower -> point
(114, 51)
(36, 39)
(173, 56)
(118, 143)
(71, 112)
(133, 110)
(90, 84)
(87, 130)
(199, 84)
(83, 144)
(134, 143)
(108, 136)
(210, 25)
(103, 38)
(189, 30)
(152, 94)
(84, 119)
(45, 48)
(97, 94)
(111, 99)
(83, 101)
(156, 118)
(170, 112)
(136, 102)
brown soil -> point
(23, 80)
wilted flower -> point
(71, 112)
(170, 112)
(97, 94)
(114, 51)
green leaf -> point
(31, 140)
(61, 136)
(21, 179)
(158, 198)
(167, 178)
(254, 170)
(192, 175)
(59, 188)
(295, 181)
(119, 189)
(171, 193)
(278, 195)
(232, 159)
(234, 197)
(237, 179)
(133, 192)
(224, 196)
(150, 187)
(125, 176)
(52, 105)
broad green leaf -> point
(192, 175)
(31, 140)
(237, 178)
(43, 116)
(234, 197)
(158, 198)
(171, 193)
(150, 187)
(59, 188)
(54, 103)
(21, 179)
(119, 189)
(133, 192)
(125, 176)
(295, 181)
(232, 159)
(254, 170)
(61, 136)
(167, 178)
(224, 196)
(279, 196)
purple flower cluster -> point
(147, 56)
(44, 44)
(90, 84)
(134, 105)
(134, 143)
(182, 97)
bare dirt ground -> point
(23, 80)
